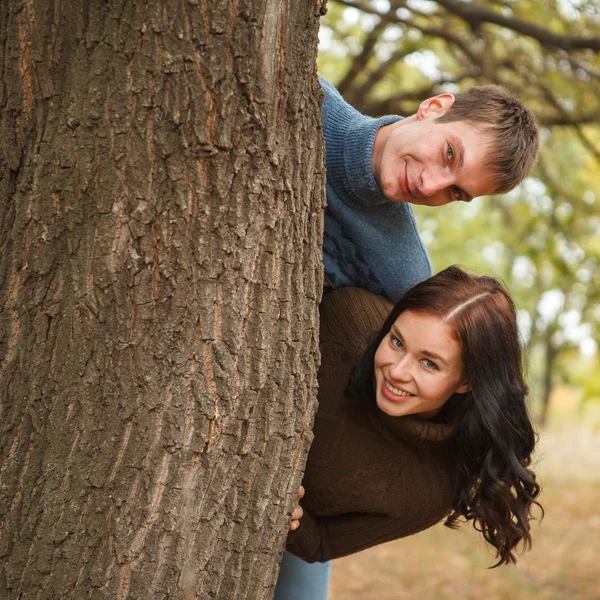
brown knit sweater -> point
(370, 478)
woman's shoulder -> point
(353, 314)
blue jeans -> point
(299, 580)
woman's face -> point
(418, 366)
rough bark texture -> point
(161, 187)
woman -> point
(422, 421)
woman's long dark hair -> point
(495, 438)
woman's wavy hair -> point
(495, 438)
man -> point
(480, 142)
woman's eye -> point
(456, 193)
(396, 342)
(430, 364)
(450, 153)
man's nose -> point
(434, 181)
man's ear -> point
(463, 388)
(435, 106)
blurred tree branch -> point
(476, 15)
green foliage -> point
(584, 374)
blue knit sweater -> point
(370, 242)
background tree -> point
(542, 239)
(161, 194)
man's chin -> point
(399, 196)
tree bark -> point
(162, 187)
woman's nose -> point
(401, 369)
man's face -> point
(422, 162)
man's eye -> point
(450, 153)
(456, 193)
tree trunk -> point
(161, 186)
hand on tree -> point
(297, 514)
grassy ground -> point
(441, 564)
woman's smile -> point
(392, 393)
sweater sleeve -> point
(353, 315)
(326, 538)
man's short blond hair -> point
(515, 142)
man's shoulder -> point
(328, 87)
(336, 111)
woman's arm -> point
(323, 538)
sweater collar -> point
(414, 429)
(355, 148)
